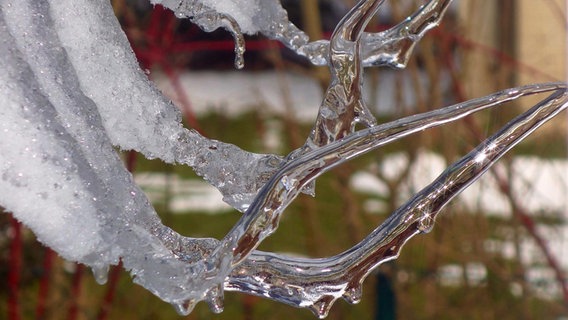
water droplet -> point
(215, 299)
(184, 308)
(353, 295)
(426, 223)
(321, 307)
(100, 274)
(288, 183)
(239, 60)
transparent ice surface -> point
(71, 89)
(391, 48)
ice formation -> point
(71, 90)
(392, 47)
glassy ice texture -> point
(71, 90)
(392, 47)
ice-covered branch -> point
(317, 283)
(343, 105)
(262, 217)
(71, 90)
(392, 47)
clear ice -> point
(71, 90)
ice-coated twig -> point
(71, 89)
(262, 217)
(210, 20)
(391, 48)
(343, 105)
(252, 16)
(317, 283)
(394, 47)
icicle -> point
(184, 308)
(354, 294)
(426, 223)
(101, 274)
(215, 299)
(210, 21)
(321, 307)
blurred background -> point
(499, 251)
